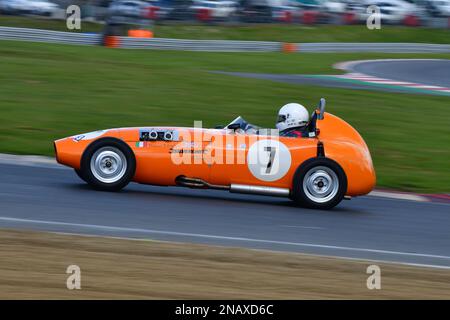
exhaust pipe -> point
(268, 191)
(197, 183)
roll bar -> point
(321, 109)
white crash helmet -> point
(292, 115)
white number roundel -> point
(268, 160)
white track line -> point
(391, 262)
(217, 237)
(371, 79)
(347, 65)
(399, 196)
(28, 160)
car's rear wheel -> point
(108, 164)
(319, 183)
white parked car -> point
(333, 6)
(14, 6)
(395, 11)
(438, 8)
(38, 7)
(219, 9)
(42, 7)
(358, 8)
(280, 13)
(130, 8)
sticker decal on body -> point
(268, 160)
(89, 135)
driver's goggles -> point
(281, 118)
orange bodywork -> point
(221, 156)
(345, 145)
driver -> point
(293, 120)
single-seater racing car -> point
(330, 163)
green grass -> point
(261, 32)
(51, 91)
(299, 33)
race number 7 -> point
(272, 151)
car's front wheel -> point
(319, 183)
(108, 164)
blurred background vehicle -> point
(395, 11)
(128, 8)
(334, 6)
(180, 10)
(438, 8)
(215, 9)
(358, 10)
(308, 4)
(433, 13)
(285, 13)
(15, 7)
(43, 7)
(256, 11)
(159, 9)
(35, 7)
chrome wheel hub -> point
(320, 184)
(108, 164)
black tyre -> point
(319, 183)
(108, 164)
(80, 174)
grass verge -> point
(299, 33)
(33, 266)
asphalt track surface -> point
(55, 199)
(426, 71)
(306, 79)
(429, 72)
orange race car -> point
(316, 171)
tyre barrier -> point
(289, 47)
(38, 35)
(139, 33)
(111, 42)
(200, 45)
